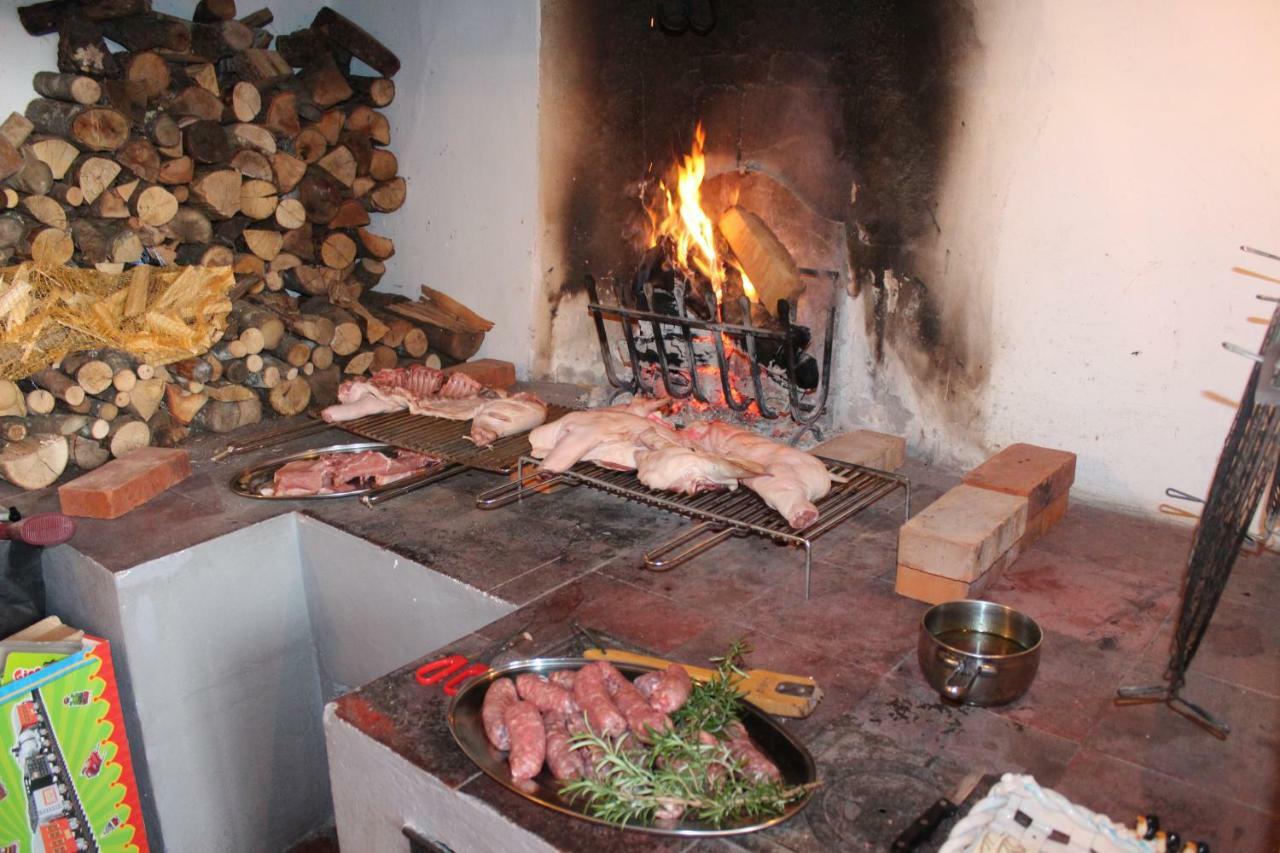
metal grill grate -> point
(446, 438)
(720, 513)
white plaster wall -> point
(463, 126)
(1110, 158)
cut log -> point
(339, 163)
(149, 31)
(258, 19)
(206, 141)
(264, 244)
(347, 35)
(763, 256)
(258, 199)
(41, 401)
(384, 357)
(288, 170)
(46, 210)
(15, 129)
(330, 125)
(105, 241)
(311, 327)
(375, 91)
(82, 49)
(91, 127)
(94, 175)
(33, 176)
(94, 376)
(261, 67)
(253, 136)
(220, 40)
(378, 246)
(253, 341)
(368, 272)
(252, 164)
(163, 130)
(10, 160)
(52, 247)
(383, 165)
(351, 214)
(59, 384)
(14, 227)
(300, 242)
(246, 101)
(415, 343)
(321, 196)
(370, 122)
(309, 145)
(179, 171)
(149, 69)
(311, 280)
(338, 251)
(206, 255)
(40, 19)
(324, 385)
(12, 401)
(218, 193)
(141, 158)
(73, 88)
(205, 75)
(359, 363)
(212, 11)
(190, 226)
(35, 462)
(86, 453)
(325, 82)
(388, 196)
(292, 350)
(126, 435)
(322, 357)
(282, 114)
(302, 48)
(291, 214)
(223, 417)
(68, 194)
(57, 154)
(197, 102)
(290, 397)
(183, 404)
(145, 397)
(155, 206)
(9, 198)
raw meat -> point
(591, 754)
(563, 761)
(647, 682)
(689, 471)
(608, 437)
(528, 739)
(545, 696)
(420, 389)
(563, 677)
(672, 689)
(591, 694)
(753, 760)
(506, 416)
(500, 695)
(642, 720)
(792, 481)
(339, 472)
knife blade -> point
(925, 825)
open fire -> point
(696, 325)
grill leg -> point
(808, 567)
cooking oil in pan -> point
(980, 642)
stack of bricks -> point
(963, 542)
(867, 448)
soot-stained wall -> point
(846, 104)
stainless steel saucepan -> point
(978, 652)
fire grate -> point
(446, 438)
(720, 514)
(683, 384)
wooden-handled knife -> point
(772, 692)
(925, 825)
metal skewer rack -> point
(719, 514)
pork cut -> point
(609, 437)
(792, 481)
(689, 471)
(506, 416)
(528, 739)
(420, 389)
(340, 472)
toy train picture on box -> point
(66, 778)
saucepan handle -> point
(965, 672)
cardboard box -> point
(66, 774)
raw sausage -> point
(500, 695)
(528, 739)
(592, 696)
(671, 691)
(544, 695)
(641, 719)
(564, 761)
(753, 760)
(577, 724)
(647, 682)
(563, 677)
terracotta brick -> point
(491, 371)
(125, 483)
(1039, 474)
(867, 448)
(1044, 521)
(962, 533)
(935, 589)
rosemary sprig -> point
(675, 773)
(713, 704)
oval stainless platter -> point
(248, 482)
(468, 730)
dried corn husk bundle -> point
(158, 314)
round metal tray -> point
(468, 730)
(250, 480)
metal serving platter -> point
(468, 730)
(248, 482)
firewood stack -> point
(202, 143)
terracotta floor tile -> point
(1255, 579)
(1077, 597)
(1241, 647)
(1138, 546)
(1122, 791)
(1241, 767)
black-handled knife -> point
(923, 827)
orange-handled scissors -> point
(455, 669)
